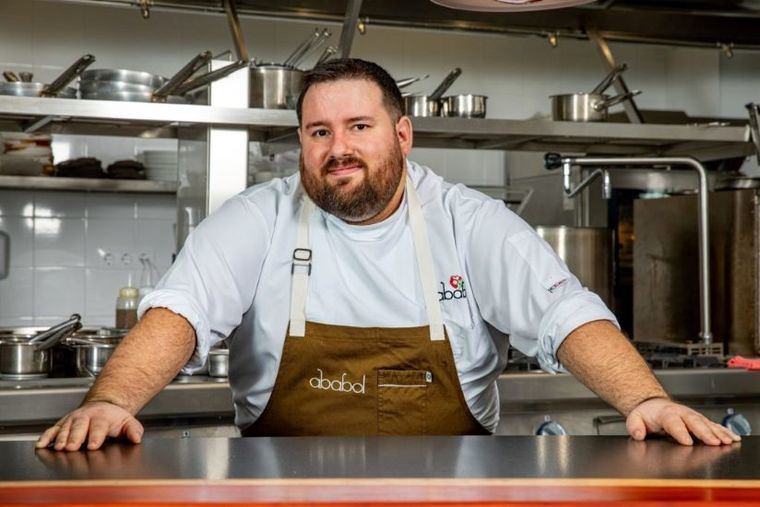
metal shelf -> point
(87, 184)
(705, 141)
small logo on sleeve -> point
(557, 285)
(456, 289)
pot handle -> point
(183, 74)
(67, 76)
(616, 100)
(445, 84)
(47, 339)
(609, 79)
(210, 77)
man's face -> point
(352, 151)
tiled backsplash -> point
(72, 251)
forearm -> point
(604, 360)
(146, 360)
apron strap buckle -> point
(302, 258)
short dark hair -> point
(354, 68)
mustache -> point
(336, 163)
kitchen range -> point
(654, 209)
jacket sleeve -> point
(523, 288)
(214, 278)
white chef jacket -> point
(496, 277)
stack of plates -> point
(160, 164)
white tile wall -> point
(60, 246)
(58, 237)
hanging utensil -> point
(609, 79)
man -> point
(367, 296)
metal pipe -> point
(554, 161)
(349, 27)
(230, 10)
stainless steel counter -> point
(389, 457)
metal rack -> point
(151, 120)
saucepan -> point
(277, 85)
(429, 105)
(93, 349)
(591, 106)
(58, 88)
(28, 356)
(464, 106)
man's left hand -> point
(663, 416)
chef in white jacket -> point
(366, 295)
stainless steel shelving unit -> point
(705, 142)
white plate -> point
(499, 6)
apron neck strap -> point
(301, 266)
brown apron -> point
(340, 380)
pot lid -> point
(510, 5)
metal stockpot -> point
(464, 106)
(91, 356)
(585, 107)
(28, 355)
(274, 86)
(587, 251)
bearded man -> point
(367, 296)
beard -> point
(368, 198)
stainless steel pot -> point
(218, 362)
(430, 105)
(464, 106)
(585, 107)
(58, 88)
(274, 86)
(91, 355)
(587, 251)
(28, 355)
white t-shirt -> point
(497, 278)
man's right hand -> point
(93, 422)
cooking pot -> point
(585, 107)
(587, 251)
(28, 355)
(274, 86)
(91, 355)
(464, 106)
(58, 88)
(429, 105)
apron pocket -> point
(402, 401)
